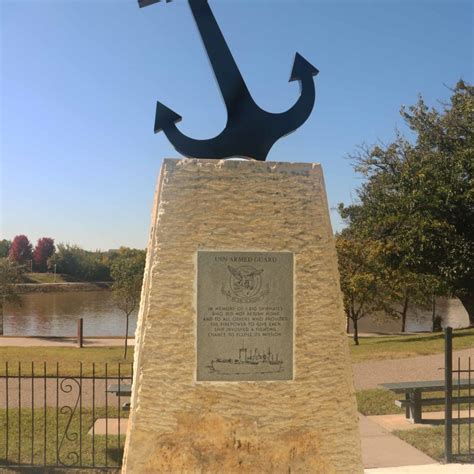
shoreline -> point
(25, 288)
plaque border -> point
(195, 307)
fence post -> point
(448, 394)
(80, 332)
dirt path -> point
(60, 392)
(372, 373)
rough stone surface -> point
(308, 424)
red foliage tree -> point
(21, 250)
(43, 250)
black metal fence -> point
(61, 416)
(459, 389)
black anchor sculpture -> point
(250, 131)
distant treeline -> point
(65, 259)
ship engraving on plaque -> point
(244, 316)
(249, 362)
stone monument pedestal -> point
(241, 361)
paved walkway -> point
(427, 469)
(10, 341)
(382, 449)
(372, 373)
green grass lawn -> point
(377, 402)
(428, 440)
(69, 359)
(382, 402)
(45, 278)
(431, 441)
(68, 433)
(397, 347)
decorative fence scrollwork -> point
(55, 418)
(66, 386)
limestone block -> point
(306, 424)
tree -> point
(21, 250)
(10, 273)
(418, 197)
(127, 272)
(79, 263)
(5, 248)
(43, 251)
(405, 289)
(361, 277)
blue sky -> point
(80, 80)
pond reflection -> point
(56, 314)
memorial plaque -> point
(244, 316)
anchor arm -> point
(166, 120)
(304, 72)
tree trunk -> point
(1, 316)
(468, 303)
(348, 325)
(405, 311)
(435, 320)
(356, 331)
(125, 348)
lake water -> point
(450, 310)
(56, 314)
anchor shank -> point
(231, 83)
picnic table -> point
(121, 390)
(414, 401)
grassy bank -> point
(46, 278)
(48, 282)
(69, 359)
(398, 347)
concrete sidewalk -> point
(11, 341)
(380, 448)
(370, 374)
(426, 469)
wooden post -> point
(80, 333)
(448, 394)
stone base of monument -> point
(241, 360)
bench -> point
(121, 390)
(414, 403)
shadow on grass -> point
(115, 455)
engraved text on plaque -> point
(244, 316)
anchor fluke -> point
(165, 117)
(302, 68)
(145, 3)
